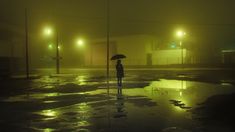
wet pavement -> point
(73, 102)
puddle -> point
(162, 104)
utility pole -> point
(57, 54)
(26, 45)
(182, 53)
(108, 35)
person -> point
(120, 74)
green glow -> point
(173, 46)
(50, 46)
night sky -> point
(210, 22)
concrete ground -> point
(79, 100)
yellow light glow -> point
(48, 130)
(49, 113)
(47, 31)
(81, 80)
(180, 33)
(170, 84)
(80, 42)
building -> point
(228, 56)
(11, 49)
(141, 50)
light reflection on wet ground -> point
(80, 103)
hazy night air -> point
(117, 65)
(209, 22)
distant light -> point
(173, 46)
(50, 46)
(80, 42)
(180, 33)
(228, 51)
(59, 47)
(47, 31)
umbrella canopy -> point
(118, 56)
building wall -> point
(136, 48)
(11, 57)
(5, 49)
(96, 53)
(228, 56)
(167, 57)
(139, 49)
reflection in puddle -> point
(49, 101)
(49, 114)
(81, 80)
(69, 117)
(48, 130)
(163, 102)
(36, 96)
(226, 84)
(120, 107)
(169, 84)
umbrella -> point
(118, 56)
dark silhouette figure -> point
(120, 107)
(120, 75)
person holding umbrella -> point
(119, 70)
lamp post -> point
(80, 43)
(57, 55)
(180, 34)
(48, 32)
(26, 44)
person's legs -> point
(118, 85)
(120, 81)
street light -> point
(50, 46)
(80, 42)
(48, 32)
(180, 34)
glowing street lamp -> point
(80, 42)
(180, 34)
(50, 46)
(48, 32)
